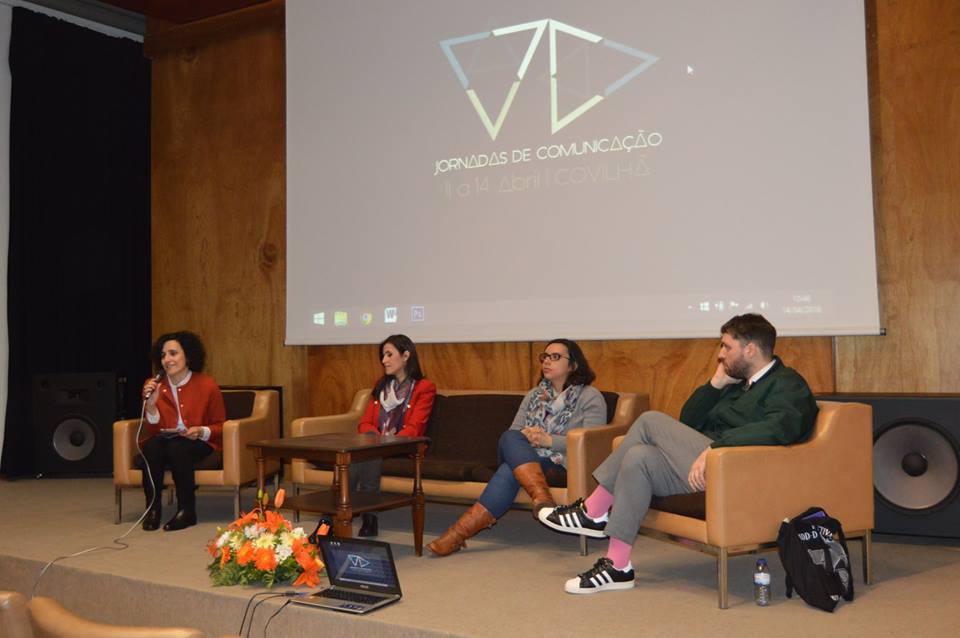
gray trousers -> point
(365, 476)
(653, 460)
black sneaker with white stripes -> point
(601, 577)
(573, 519)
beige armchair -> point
(44, 617)
(586, 448)
(252, 415)
(750, 490)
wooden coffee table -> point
(341, 450)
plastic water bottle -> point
(761, 583)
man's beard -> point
(737, 369)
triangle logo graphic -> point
(557, 122)
(493, 128)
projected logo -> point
(358, 562)
(557, 121)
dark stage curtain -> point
(79, 261)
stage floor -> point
(508, 583)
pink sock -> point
(619, 553)
(599, 502)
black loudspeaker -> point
(73, 417)
(916, 462)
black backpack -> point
(814, 554)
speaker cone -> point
(915, 466)
(74, 439)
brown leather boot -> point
(476, 519)
(531, 478)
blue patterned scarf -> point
(550, 411)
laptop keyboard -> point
(349, 596)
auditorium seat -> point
(43, 617)
(252, 415)
(751, 489)
(464, 429)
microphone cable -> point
(118, 544)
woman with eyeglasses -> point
(536, 443)
(401, 405)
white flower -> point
(286, 539)
(223, 539)
(299, 533)
(283, 553)
(251, 531)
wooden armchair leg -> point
(583, 545)
(722, 577)
(117, 504)
(236, 502)
(866, 550)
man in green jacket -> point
(752, 399)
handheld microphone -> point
(157, 379)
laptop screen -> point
(360, 564)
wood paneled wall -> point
(219, 213)
(337, 372)
(915, 96)
(667, 369)
(219, 219)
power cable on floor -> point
(118, 543)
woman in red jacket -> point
(184, 420)
(400, 405)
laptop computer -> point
(362, 574)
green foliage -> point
(234, 574)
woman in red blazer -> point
(400, 406)
(184, 417)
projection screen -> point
(480, 171)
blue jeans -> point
(513, 450)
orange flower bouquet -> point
(261, 547)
